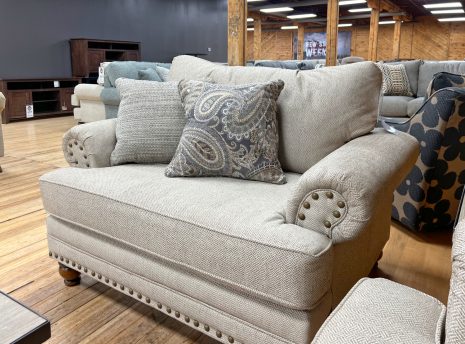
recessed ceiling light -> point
(444, 5)
(276, 9)
(386, 22)
(344, 25)
(249, 20)
(250, 29)
(355, 10)
(291, 27)
(457, 10)
(451, 19)
(351, 2)
(254, 0)
(302, 16)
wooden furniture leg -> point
(71, 277)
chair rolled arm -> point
(338, 195)
(90, 145)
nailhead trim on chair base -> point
(195, 324)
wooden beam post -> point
(374, 25)
(237, 32)
(300, 42)
(331, 32)
(257, 38)
(396, 38)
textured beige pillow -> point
(150, 122)
(395, 80)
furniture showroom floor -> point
(86, 313)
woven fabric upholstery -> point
(156, 278)
(364, 172)
(150, 122)
(455, 323)
(313, 121)
(378, 311)
(90, 144)
(227, 230)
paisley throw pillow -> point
(231, 131)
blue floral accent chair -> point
(428, 198)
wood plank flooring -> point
(94, 313)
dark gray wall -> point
(35, 33)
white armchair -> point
(89, 107)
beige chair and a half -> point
(240, 261)
(379, 311)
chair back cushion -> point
(319, 110)
(429, 68)
(455, 321)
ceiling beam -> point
(351, 17)
(289, 4)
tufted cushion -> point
(249, 249)
(319, 111)
(231, 131)
(150, 122)
(378, 311)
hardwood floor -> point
(93, 312)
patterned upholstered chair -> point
(2, 106)
(380, 311)
(428, 198)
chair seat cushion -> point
(395, 106)
(381, 311)
(414, 105)
(230, 231)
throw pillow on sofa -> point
(395, 80)
(149, 74)
(162, 72)
(231, 131)
(150, 122)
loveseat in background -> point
(241, 261)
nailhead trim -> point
(177, 314)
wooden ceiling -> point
(414, 8)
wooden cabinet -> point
(87, 54)
(48, 97)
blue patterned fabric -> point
(428, 198)
(231, 131)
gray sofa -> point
(378, 311)
(240, 261)
(420, 74)
(110, 96)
